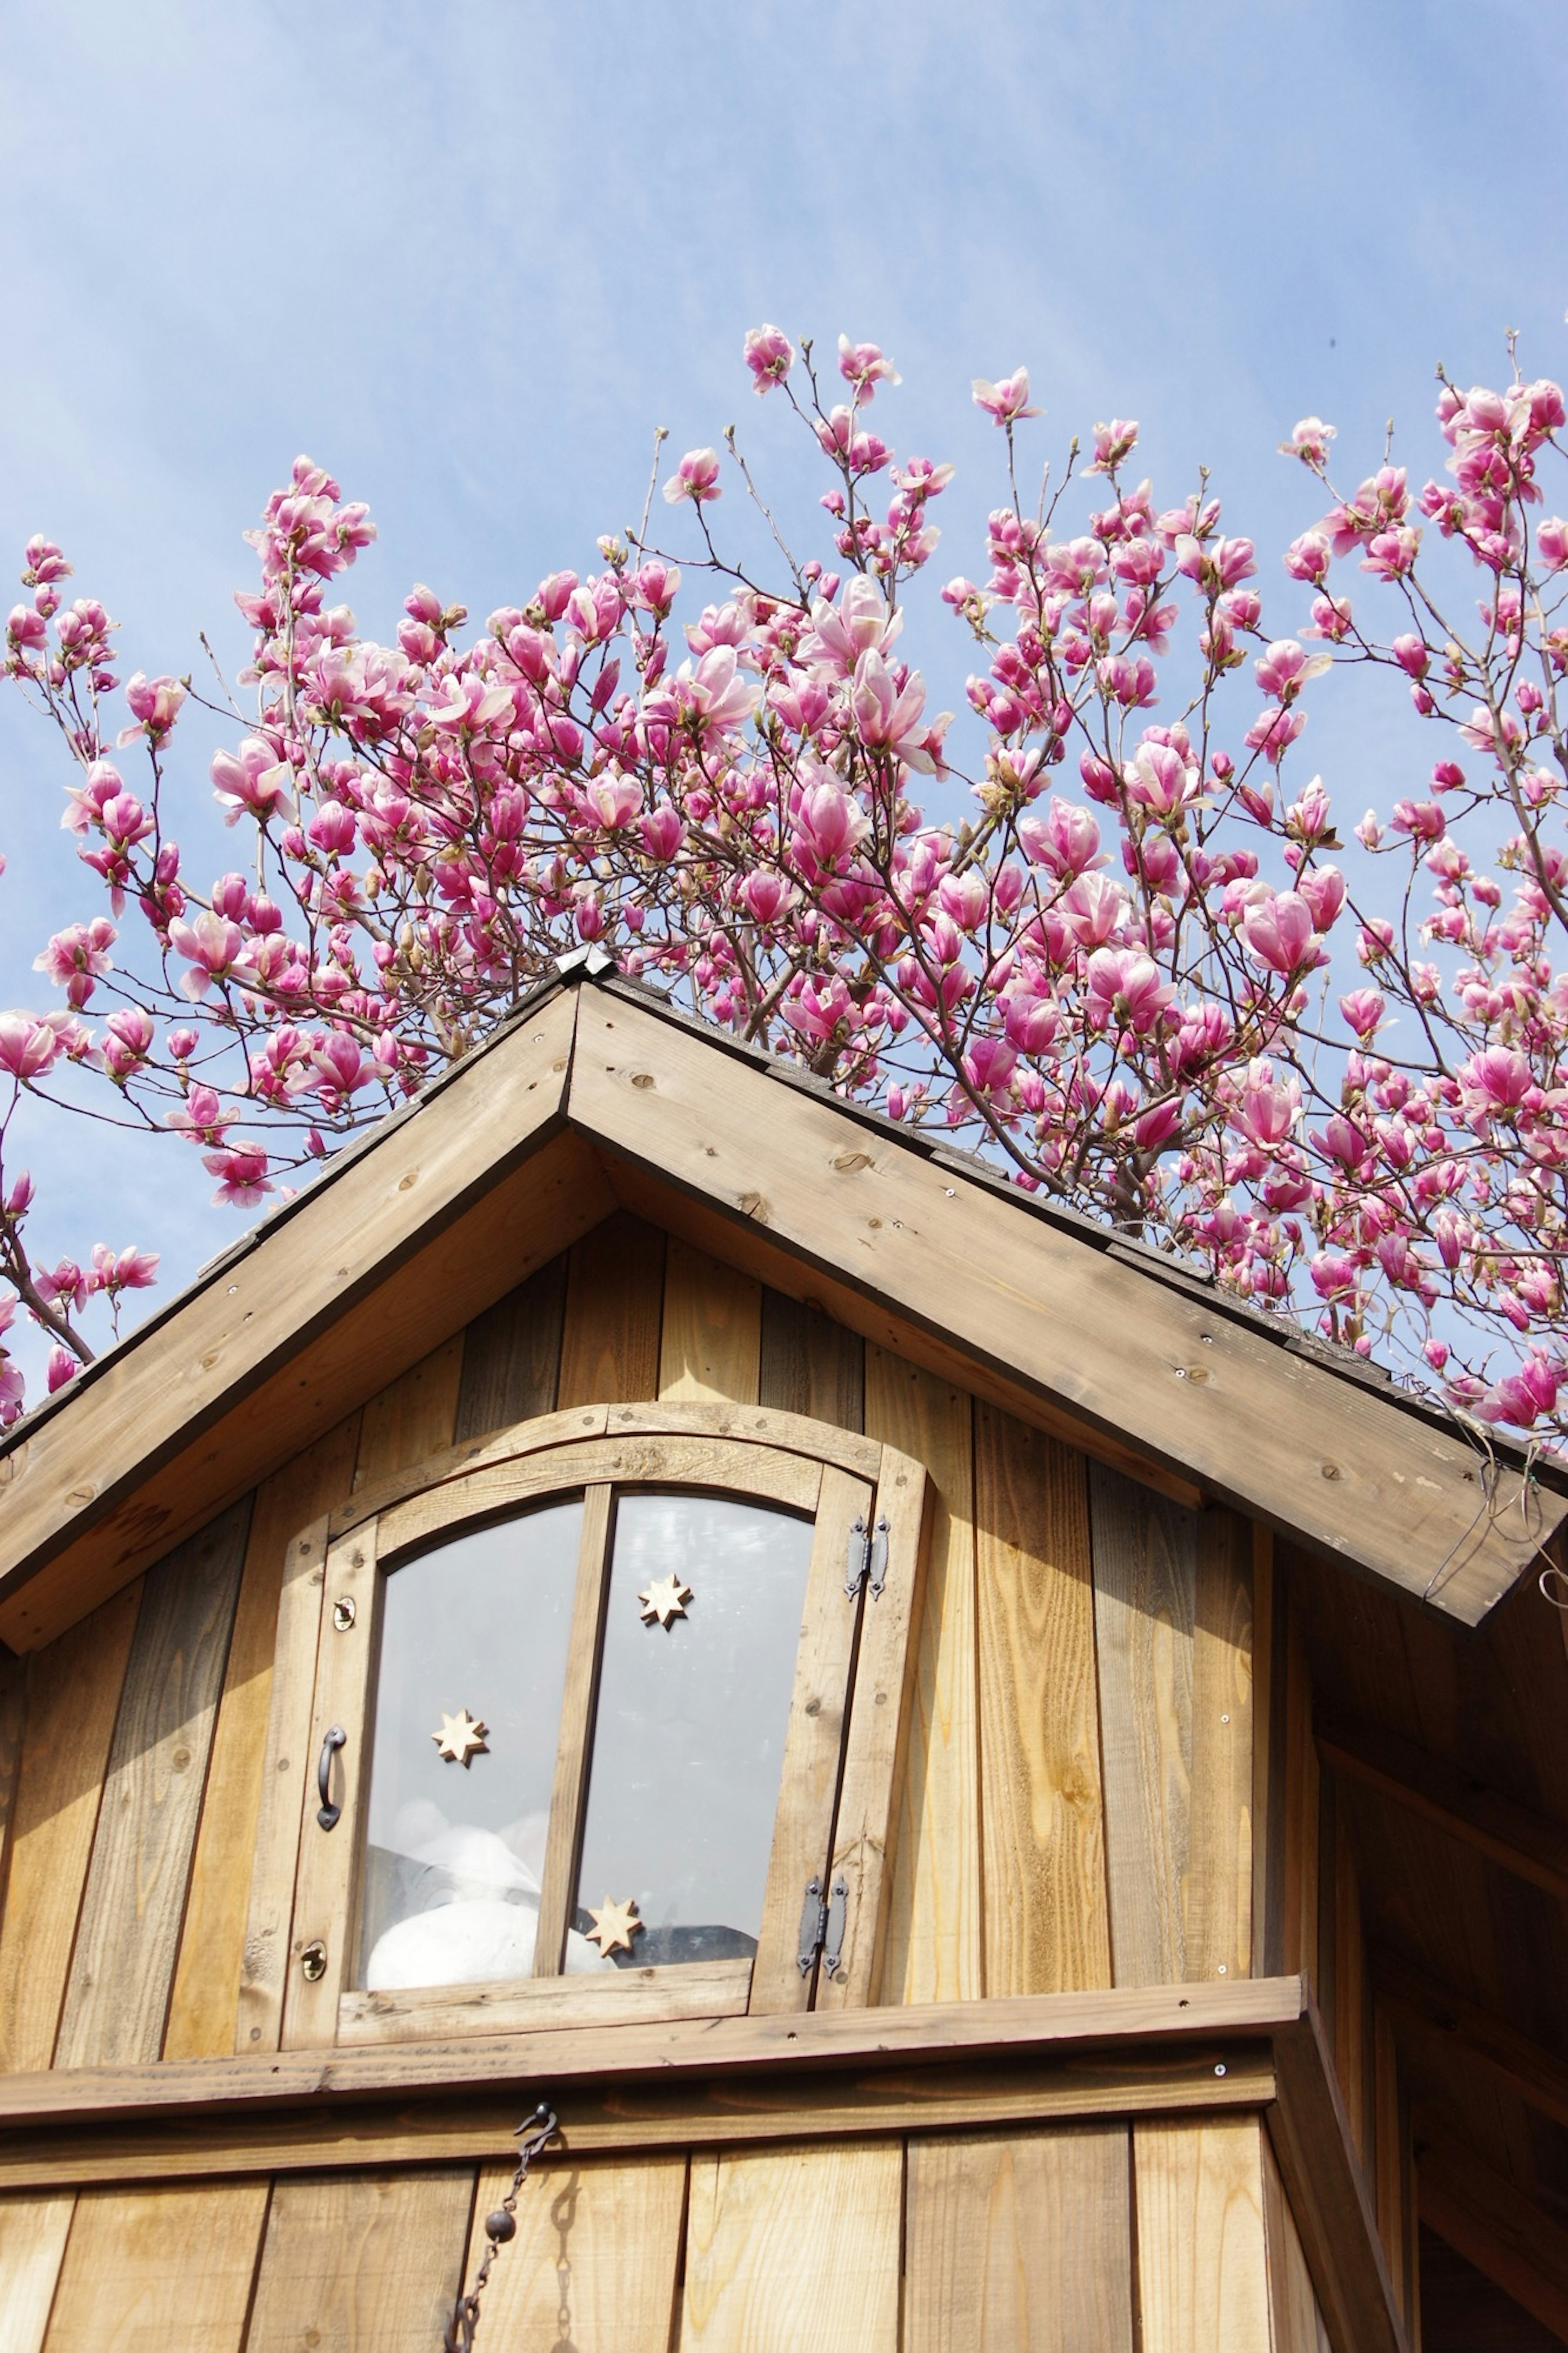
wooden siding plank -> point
(1046, 1913)
(32, 2247)
(1351, 1997)
(12, 1716)
(814, 1748)
(594, 2261)
(1085, 1331)
(1020, 2242)
(1489, 2220)
(710, 1339)
(934, 1929)
(1298, 2324)
(511, 1356)
(361, 2262)
(797, 2246)
(1145, 1579)
(412, 1418)
(149, 2270)
(117, 1997)
(1303, 1903)
(575, 1738)
(74, 1691)
(1267, 1761)
(811, 1365)
(1216, 1909)
(204, 2008)
(615, 1289)
(389, 1254)
(1202, 2272)
(539, 2005)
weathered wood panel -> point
(73, 1698)
(1216, 1895)
(411, 1416)
(1146, 1581)
(1202, 2272)
(594, 2261)
(117, 1997)
(361, 2262)
(32, 2247)
(810, 1364)
(614, 1294)
(1020, 2242)
(12, 1716)
(1047, 1915)
(511, 1356)
(205, 2006)
(150, 2270)
(793, 2247)
(1298, 2326)
(1301, 1930)
(1267, 1761)
(711, 1340)
(933, 1950)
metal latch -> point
(837, 1921)
(813, 1923)
(866, 1551)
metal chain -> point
(499, 2226)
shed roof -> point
(595, 1093)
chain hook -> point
(533, 2136)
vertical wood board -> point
(1202, 2272)
(1217, 1895)
(74, 1689)
(614, 1292)
(203, 2008)
(594, 2261)
(793, 2247)
(1145, 1581)
(810, 1364)
(411, 1416)
(934, 1934)
(1297, 2322)
(151, 2269)
(361, 2262)
(1020, 2242)
(33, 2233)
(711, 1335)
(511, 1356)
(117, 1997)
(1047, 1915)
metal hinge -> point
(866, 1554)
(824, 1922)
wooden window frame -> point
(843, 1746)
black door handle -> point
(326, 1813)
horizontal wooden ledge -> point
(1034, 2028)
(696, 2111)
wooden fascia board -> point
(1490, 2222)
(1440, 2022)
(242, 1341)
(1258, 1425)
(1524, 1843)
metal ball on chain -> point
(500, 2226)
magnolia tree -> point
(1133, 972)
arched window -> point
(605, 1721)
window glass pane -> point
(688, 1738)
(456, 1853)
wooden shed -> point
(1003, 1800)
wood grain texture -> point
(511, 1356)
(934, 1929)
(813, 1749)
(1020, 2242)
(1298, 2324)
(1485, 2217)
(1203, 2270)
(544, 2005)
(1048, 1927)
(793, 2247)
(575, 1738)
(361, 2262)
(32, 2247)
(711, 1340)
(411, 1417)
(151, 2269)
(12, 1716)
(1267, 1761)
(811, 1365)
(1302, 1927)
(1145, 1581)
(73, 1698)
(204, 2008)
(285, 1761)
(594, 2261)
(116, 1996)
(1217, 1895)
(614, 1296)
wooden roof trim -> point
(1281, 1436)
(1521, 1842)
(1441, 2021)
(1488, 2219)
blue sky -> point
(469, 254)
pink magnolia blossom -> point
(695, 478)
(770, 355)
(1007, 402)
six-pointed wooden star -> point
(614, 1924)
(461, 1738)
(664, 1598)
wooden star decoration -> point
(664, 1598)
(461, 1738)
(614, 1924)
